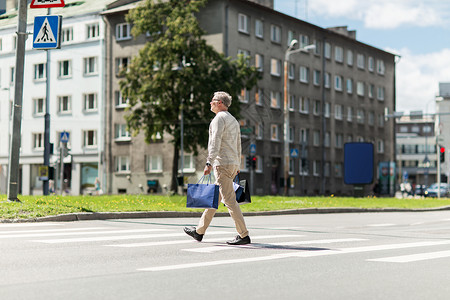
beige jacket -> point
(224, 145)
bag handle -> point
(203, 178)
(236, 178)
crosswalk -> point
(278, 243)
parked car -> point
(420, 190)
(432, 190)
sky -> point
(417, 30)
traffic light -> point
(442, 154)
(254, 162)
(248, 161)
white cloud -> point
(418, 77)
(384, 14)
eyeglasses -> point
(215, 100)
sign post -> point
(64, 139)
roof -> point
(72, 8)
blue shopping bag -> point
(201, 195)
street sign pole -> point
(45, 185)
(14, 151)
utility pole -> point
(14, 151)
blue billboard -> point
(358, 163)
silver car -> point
(432, 190)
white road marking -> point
(381, 225)
(28, 224)
(225, 247)
(413, 257)
(303, 254)
(188, 241)
(78, 233)
(51, 230)
(115, 238)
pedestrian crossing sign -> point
(64, 137)
(47, 32)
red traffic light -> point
(254, 158)
(442, 149)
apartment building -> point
(339, 93)
(76, 99)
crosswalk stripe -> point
(259, 246)
(381, 225)
(78, 233)
(302, 254)
(2, 225)
(163, 243)
(49, 230)
(413, 257)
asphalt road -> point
(323, 256)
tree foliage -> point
(177, 69)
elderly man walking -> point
(224, 156)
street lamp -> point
(9, 127)
(290, 50)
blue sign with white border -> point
(64, 137)
(47, 32)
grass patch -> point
(40, 206)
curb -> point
(175, 214)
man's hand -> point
(207, 170)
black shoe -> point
(192, 232)
(240, 241)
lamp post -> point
(9, 126)
(290, 50)
(427, 160)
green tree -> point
(177, 69)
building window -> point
(360, 116)
(316, 138)
(370, 64)
(338, 170)
(90, 102)
(380, 146)
(65, 69)
(327, 50)
(291, 102)
(38, 141)
(339, 140)
(317, 49)
(244, 96)
(90, 65)
(326, 169)
(380, 67)
(275, 34)
(338, 112)
(304, 105)
(275, 99)
(123, 31)
(121, 132)
(290, 37)
(244, 53)
(275, 67)
(122, 64)
(154, 164)
(291, 73)
(92, 31)
(304, 167)
(243, 23)
(380, 93)
(259, 29)
(274, 136)
(380, 120)
(349, 114)
(360, 88)
(371, 90)
(304, 40)
(259, 62)
(259, 131)
(349, 86)
(64, 104)
(316, 77)
(67, 35)
(304, 136)
(327, 80)
(350, 57)
(338, 54)
(327, 110)
(12, 73)
(316, 108)
(291, 134)
(90, 138)
(122, 164)
(360, 61)
(338, 83)
(316, 168)
(189, 163)
(327, 138)
(371, 118)
(39, 106)
(259, 97)
(304, 74)
(121, 102)
(39, 72)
